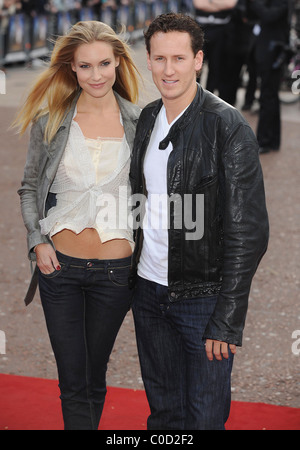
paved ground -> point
(265, 370)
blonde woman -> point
(83, 124)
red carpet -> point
(33, 404)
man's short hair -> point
(166, 23)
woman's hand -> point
(46, 258)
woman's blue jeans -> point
(184, 389)
(84, 303)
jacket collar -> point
(65, 126)
(186, 118)
(129, 111)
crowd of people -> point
(254, 34)
(34, 7)
(236, 31)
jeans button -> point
(89, 264)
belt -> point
(212, 20)
(32, 286)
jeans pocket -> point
(119, 275)
(53, 274)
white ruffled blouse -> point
(92, 188)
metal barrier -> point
(23, 38)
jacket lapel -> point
(58, 144)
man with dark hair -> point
(202, 232)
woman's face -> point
(95, 66)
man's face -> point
(174, 65)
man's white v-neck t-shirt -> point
(153, 264)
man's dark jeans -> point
(185, 390)
(84, 303)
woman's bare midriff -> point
(87, 245)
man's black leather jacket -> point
(215, 153)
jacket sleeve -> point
(246, 232)
(28, 191)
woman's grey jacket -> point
(40, 169)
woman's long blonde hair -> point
(57, 86)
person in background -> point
(239, 43)
(83, 125)
(214, 17)
(200, 236)
(273, 17)
(297, 18)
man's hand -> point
(218, 349)
(46, 258)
